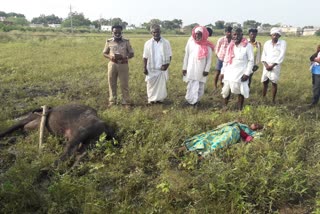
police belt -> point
(120, 61)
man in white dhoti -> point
(156, 57)
(272, 56)
(237, 67)
(196, 64)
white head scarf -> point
(275, 30)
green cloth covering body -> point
(223, 135)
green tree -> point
(43, 19)
(147, 25)
(266, 25)
(18, 20)
(116, 21)
(125, 24)
(177, 23)
(210, 26)
(189, 28)
(113, 21)
(3, 14)
(167, 25)
(52, 19)
(17, 15)
(104, 21)
(251, 24)
(39, 20)
(219, 24)
(97, 23)
(77, 19)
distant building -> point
(287, 30)
(130, 27)
(106, 27)
(36, 25)
(264, 30)
(310, 31)
(54, 25)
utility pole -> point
(71, 19)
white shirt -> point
(274, 53)
(194, 66)
(242, 63)
(158, 54)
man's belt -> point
(120, 61)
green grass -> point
(278, 172)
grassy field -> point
(277, 173)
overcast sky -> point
(290, 12)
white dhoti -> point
(195, 90)
(235, 88)
(157, 87)
(273, 75)
(156, 54)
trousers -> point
(121, 72)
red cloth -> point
(230, 51)
(203, 43)
(245, 136)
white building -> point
(291, 30)
(106, 27)
(310, 31)
(54, 25)
(36, 25)
(130, 28)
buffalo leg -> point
(30, 123)
(72, 145)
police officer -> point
(118, 50)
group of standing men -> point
(237, 60)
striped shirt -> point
(221, 47)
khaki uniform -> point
(118, 69)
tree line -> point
(78, 20)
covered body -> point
(224, 135)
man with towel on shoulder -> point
(272, 56)
(237, 67)
(156, 57)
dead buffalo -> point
(79, 124)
